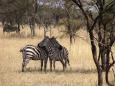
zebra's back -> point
(33, 52)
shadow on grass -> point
(57, 71)
(77, 71)
(31, 70)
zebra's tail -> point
(68, 61)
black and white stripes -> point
(47, 48)
(63, 50)
(31, 52)
(55, 52)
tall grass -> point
(83, 70)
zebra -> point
(53, 52)
(31, 52)
(62, 49)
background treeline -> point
(44, 13)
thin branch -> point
(78, 3)
(95, 21)
(99, 56)
(113, 73)
(112, 56)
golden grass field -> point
(83, 72)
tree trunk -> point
(108, 66)
(103, 59)
(100, 76)
(71, 42)
(44, 32)
(94, 53)
(107, 72)
(32, 30)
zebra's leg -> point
(45, 65)
(24, 64)
(41, 64)
(54, 64)
(50, 64)
(63, 64)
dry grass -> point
(83, 70)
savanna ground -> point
(82, 72)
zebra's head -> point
(44, 42)
(55, 43)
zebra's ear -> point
(54, 37)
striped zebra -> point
(31, 52)
(54, 53)
(62, 49)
